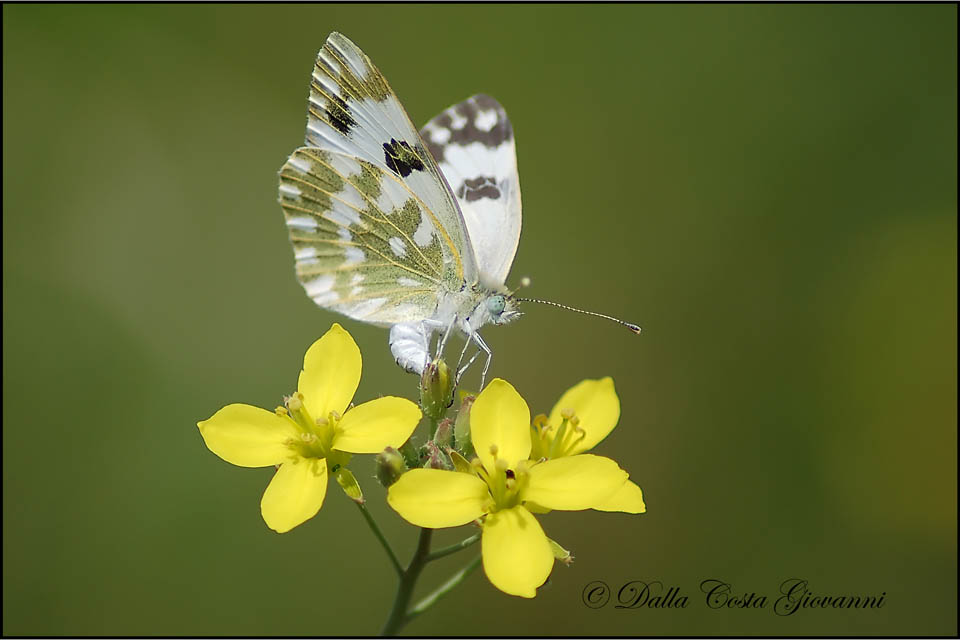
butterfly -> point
(394, 227)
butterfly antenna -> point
(524, 282)
(629, 325)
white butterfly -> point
(394, 227)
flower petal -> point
(435, 498)
(500, 417)
(375, 425)
(517, 557)
(573, 483)
(596, 403)
(248, 436)
(295, 494)
(628, 498)
(331, 373)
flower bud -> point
(390, 466)
(436, 389)
(461, 428)
(560, 553)
(444, 435)
(435, 458)
(410, 453)
(350, 485)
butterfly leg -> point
(483, 348)
(463, 353)
(464, 368)
(442, 342)
(427, 328)
(486, 367)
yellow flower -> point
(584, 416)
(314, 436)
(517, 556)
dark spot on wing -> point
(469, 109)
(339, 115)
(500, 133)
(476, 188)
(435, 149)
(400, 158)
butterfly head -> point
(501, 308)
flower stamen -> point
(556, 445)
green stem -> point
(408, 579)
(444, 589)
(381, 538)
(463, 544)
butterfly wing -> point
(474, 145)
(364, 242)
(353, 113)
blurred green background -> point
(770, 191)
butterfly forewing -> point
(474, 146)
(353, 111)
(362, 240)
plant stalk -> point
(444, 589)
(408, 580)
(383, 540)
(463, 544)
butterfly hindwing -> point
(364, 246)
(353, 111)
(474, 146)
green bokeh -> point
(770, 191)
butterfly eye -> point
(496, 304)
